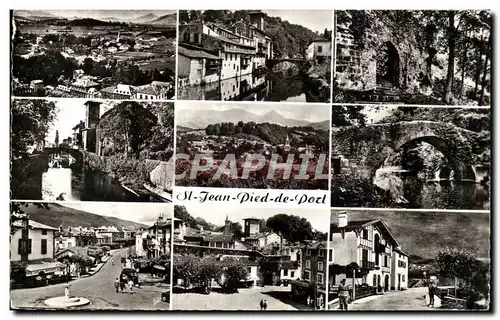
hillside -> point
(168, 19)
(58, 215)
(423, 234)
(288, 39)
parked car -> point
(130, 273)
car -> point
(130, 273)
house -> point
(65, 242)
(319, 49)
(157, 240)
(253, 236)
(156, 90)
(198, 66)
(37, 243)
(119, 91)
(366, 253)
(81, 87)
(312, 284)
(78, 74)
(36, 84)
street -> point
(99, 289)
(278, 298)
(411, 299)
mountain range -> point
(57, 216)
(128, 17)
(201, 118)
(424, 234)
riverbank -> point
(319, 81)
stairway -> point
(386, 92)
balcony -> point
(366, 243)
(367, 264)
(386, 269)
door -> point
(386, 283)
(399, 281)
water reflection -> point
(70, 185)
(249, 87)
(409, 191)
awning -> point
(45, 267)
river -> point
(408, 191)
(86, 186)
(266, 87)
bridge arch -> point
(75, 153)
(271, 63)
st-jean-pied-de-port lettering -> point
(250, 197)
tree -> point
(348, 115)
(186, 268)
(292, 228)
(456, 263)
(235, 228)
(180, 212)
(234, 271)
(31, 120)
(56, 141)
(88, 65)
(451, 55)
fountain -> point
(66, 301)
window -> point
(308, 252)
(320, 266)
(308, 264)
(292, 274)
(44, 232)
(218, 244)
(225, 245)
(330, 257)
(404, 278)
(44, 246)
(307, 275)
(321, 253)
(385, 261)
(319, 278)
(196, 38)
(24, 246)
(249, 270)
(320, 49)
(365, 234)
(285, 272)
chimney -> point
(342, 219)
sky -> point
(306, 112)
(69, 114)
(315, 20)
(145, 213)
(97, 14)
(319, 219)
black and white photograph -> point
(424, 57)
(89, 150)
(386, 156)
(260, 146)
(409, 261)
(90, 256)
(247, 259)
(109, 54)
(255, 55)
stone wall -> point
(356, 54)
(162, 175)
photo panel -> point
(423, 57)
(260, 146)
(255, 55)
(92, 150)
(385, 156)
(247, 259)
(84, 256)
(409, 260)
(108, 54)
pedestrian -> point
(265, 305)
(308, 301)
(343, 295)
(117, 284)
(122, 284)
(261, 304)
(130, 285)
(432, 291)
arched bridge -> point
(360, 151)
(75, 153)
(270, 63)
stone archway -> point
(388, 65)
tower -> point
(227, 226)
(287, 141)
(252, 226)
(89, 135)
(118, 37)
(257, 19)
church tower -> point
(227, 226)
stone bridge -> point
(270, 63)
(75, 153)
(360, 151)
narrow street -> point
(411, 299)
(99, 289)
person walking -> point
(117, 284)
(261, 304)
(123, 280)
(265, 305)
(343, 295)
(432, 291)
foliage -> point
(180, 212)
(292, 228)
(31, 120)
(348, 116)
